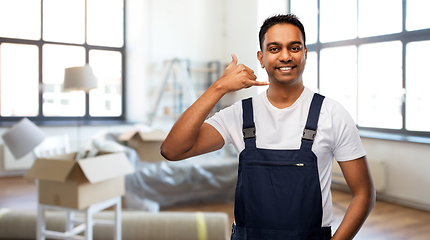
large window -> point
(40, 38)
(371, 56)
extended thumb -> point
(233, 59)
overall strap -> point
(311, 124)
(248, 123)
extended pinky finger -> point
(258, 83)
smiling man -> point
(287, 138)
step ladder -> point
(179, 71)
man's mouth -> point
(286, 68)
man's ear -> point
(260, 58)
(306, 53)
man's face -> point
(283, 54)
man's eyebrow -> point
(295, 42)
(272, 43)
(290, 43)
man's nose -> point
(284, 56)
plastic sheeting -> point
(207, 178)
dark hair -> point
(280, 19)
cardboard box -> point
(146, 144)
(66, 182)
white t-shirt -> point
(337, 136)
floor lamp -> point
(79, 79)
(23, 137)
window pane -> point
(106, 100)
(380, 85)
(310, 75)
(64, 21)
(56, 102)
(20, 19)
(417, 85)
(19, 67)
(417, 16)
(307, 11)
(105, 22)
(378, 17)
(340, 84)
(338, 20)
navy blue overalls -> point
(278, 193)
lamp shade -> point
(23, 137)
(79, 78)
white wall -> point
(408, 170)
(186, 29)
(242, 39)
(137, 49)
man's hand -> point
(236, 77)
(190, 136)
(359, 179)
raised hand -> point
(190, 136)
(237, 76)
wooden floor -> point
(387, 221)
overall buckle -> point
(309, 134)
(248, 132)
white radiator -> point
(377, 168)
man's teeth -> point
(285, 68)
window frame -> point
(404, 37)
(40, 119)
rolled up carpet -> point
(136, 225)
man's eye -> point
(296, 48)
(273, 49)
